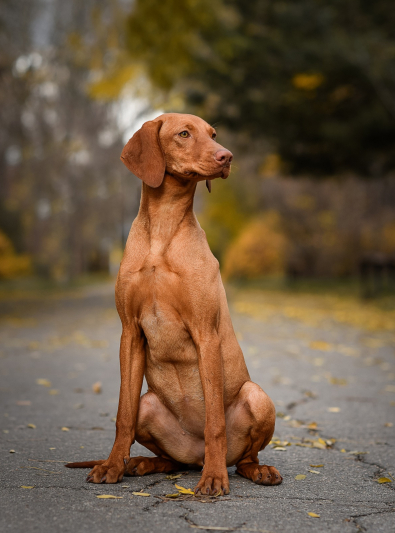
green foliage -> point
(315, 77)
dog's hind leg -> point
(250, 423)
(140, 466)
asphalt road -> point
(333, 387)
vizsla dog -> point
(201, 407)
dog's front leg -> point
(214, 478)
(132, 363)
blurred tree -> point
(63, 197)
(316, 77)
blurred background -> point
(303, 94)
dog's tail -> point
(84, 464)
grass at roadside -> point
(315, 303)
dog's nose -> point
(224, 157)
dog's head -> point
(181, 145)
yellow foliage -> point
(270, 166)
(110, 86)
(11, 264)
(258, 251)
(307, 82)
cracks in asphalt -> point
(190, 522)
(354, 519)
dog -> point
(201, 407)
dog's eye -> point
(184, 134)
(214, 135)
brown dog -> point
(201, 407)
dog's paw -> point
(260, 474)
(213, 483)
(109, 472)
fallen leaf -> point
(64, 428)
(320, 345)
(12, 451)
(53, 392)
(32, 426)
(384, 480)
(333, 409)
(110, 497)
(300, 477)
(337, 381)
(6, 430)
(96, 387)
(44, 382)
(183, 490)
(27, 486)
(279, 449)
(24, 402)
(173, 476)
(312, 425)
(343, 450)
(314, 515)
(316, 466)
(388, 424)
(319, 445)
(358, 453)
(52, 448)
(175, 495)
(141, 494)
(390, 388)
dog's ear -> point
(143, 154)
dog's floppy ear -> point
(143, 154)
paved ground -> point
(333, 386)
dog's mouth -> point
(222, 172)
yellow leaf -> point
(356, 452)
(96, 387)
(31, 426)
(314, 472)
(314, 515)
(175, 495)
(313, 425)
(27, 486)
(343, 450)
(384, 480)
(320, 345)
(12, 451)
(53, 392)
(333, 409)
(279, 449)
(65, 429)
(109, 497)
(316, 466)
(141, 494)
(183, 490)
(173, 476)
(44, 382)
(300, 477)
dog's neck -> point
(165, 209)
